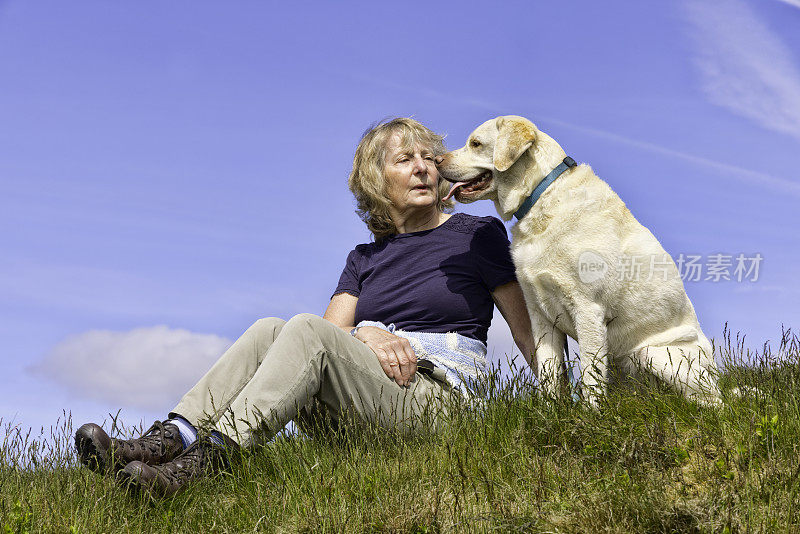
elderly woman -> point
(406, 327)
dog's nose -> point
(439, 159)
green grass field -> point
(647, 461)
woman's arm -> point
(394, 353)
(511, 303)
(342, 311)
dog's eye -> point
(474, 143)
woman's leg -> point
(211, 396)
(313, 360)
(308, 361)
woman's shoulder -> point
(365, 250)
(469, 224)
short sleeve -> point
(349, 280)
(492, 254)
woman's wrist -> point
(365, 332)
(377, 324)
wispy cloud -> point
(795, 3)
(742, 174)
(744, 66)
(148, 368)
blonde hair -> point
(368, 182)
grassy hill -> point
(647, 461)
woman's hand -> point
(394, 353)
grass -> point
(647, 461)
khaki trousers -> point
(279, 370)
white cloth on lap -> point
(462, 358)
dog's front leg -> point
(548, 354)
(593, 342)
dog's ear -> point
(515, 135)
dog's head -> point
(503, 160)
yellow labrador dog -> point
(588, 269)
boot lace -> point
(187, 464)
(154, 439)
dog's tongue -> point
(453, 189)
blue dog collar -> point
(549, 179)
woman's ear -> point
(515, 135)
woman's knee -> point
(267, 326)
(306, 327)
(307, 321)
(308, 324)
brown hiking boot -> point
(161, 443)
(201, 458)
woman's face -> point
(411, 176)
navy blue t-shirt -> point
(437, 280)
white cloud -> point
(744, 66)
(148, 368)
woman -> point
(405, 328)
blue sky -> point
(171, 172)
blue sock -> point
(187, 430)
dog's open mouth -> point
(470, 186)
